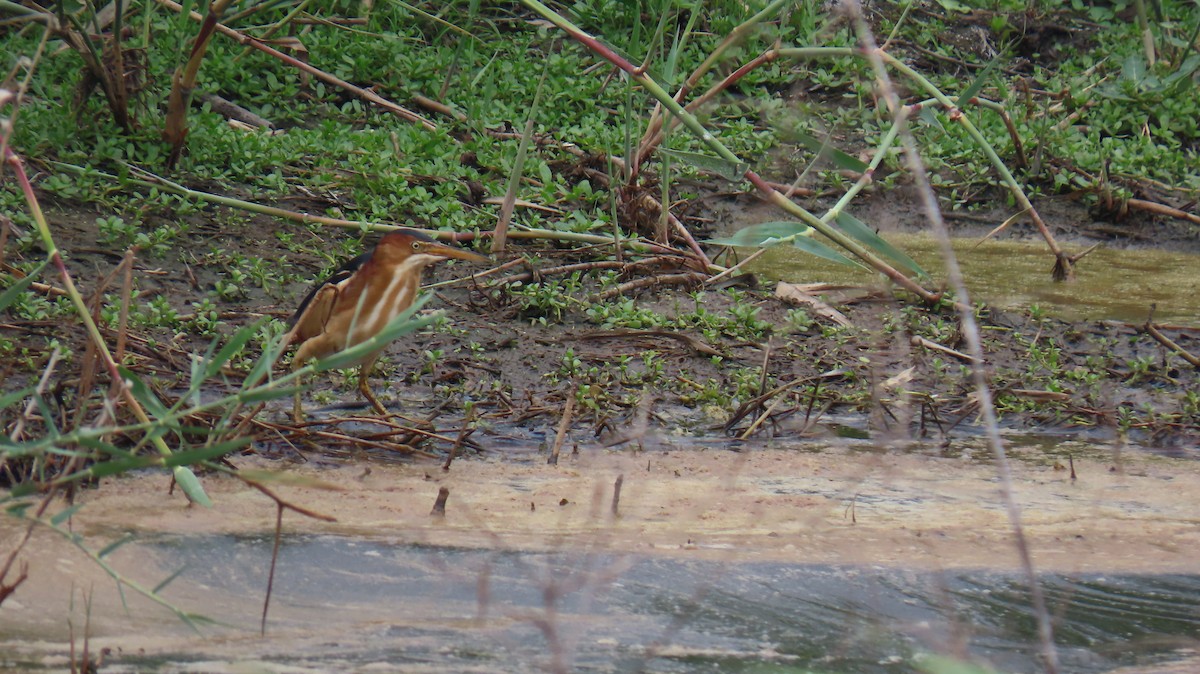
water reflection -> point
(1110, 284)
(344, 603)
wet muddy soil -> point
(802, 503)
(690, 358)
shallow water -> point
(1109, 284)
(766, 559)
(344, 604)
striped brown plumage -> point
(359, 300)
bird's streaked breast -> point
(387, 296)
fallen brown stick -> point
(1170, 344)
(1163, 209)
(695, 344)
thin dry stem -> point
(970, 330)
(563, 425)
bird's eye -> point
(416, 245)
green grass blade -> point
(705, 162)
(399, 326)
(867, 236)
(10, 295)
(262, 366)
(824, 149)
(265, 393)
(144, 395)
(65, 515)
(289, 479)
(175, 460)
(18, 509)
(235, 344)
(217, 449)
(112, 547)
(929, 116)
(814, 247)
(167, 581)
(16, 396)
(763, 234)
(119, 466)
(977, 85)
(111, 450)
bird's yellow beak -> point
(454, 252)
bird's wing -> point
(344, 272)
(316, 311)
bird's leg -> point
(313, 348)
(297, 410)
(364, 374)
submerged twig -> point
(563, 425)
(1158, 336)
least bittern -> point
(362, 297)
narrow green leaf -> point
(196, 379)
(977, 85)
(929, 116)
(287, 478)
(167, 581)
(814, 247)
(825, 149)
(763, 234)
(144, 395)
(48, 415)
(190, 484)
(867, 236)
(264, 393)
(18, 509)
(722, 167)
(112, 547)
(194, 620)
(215, 450)
(65, 515)
(199, 361)
(119, 466)
(954, 6)
(16, 396)
(1181, 80)
(175, 461)
(111, 450)
(235, 344)
(183, 22)
(399, 326)
(263, 366)
(10, 295)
